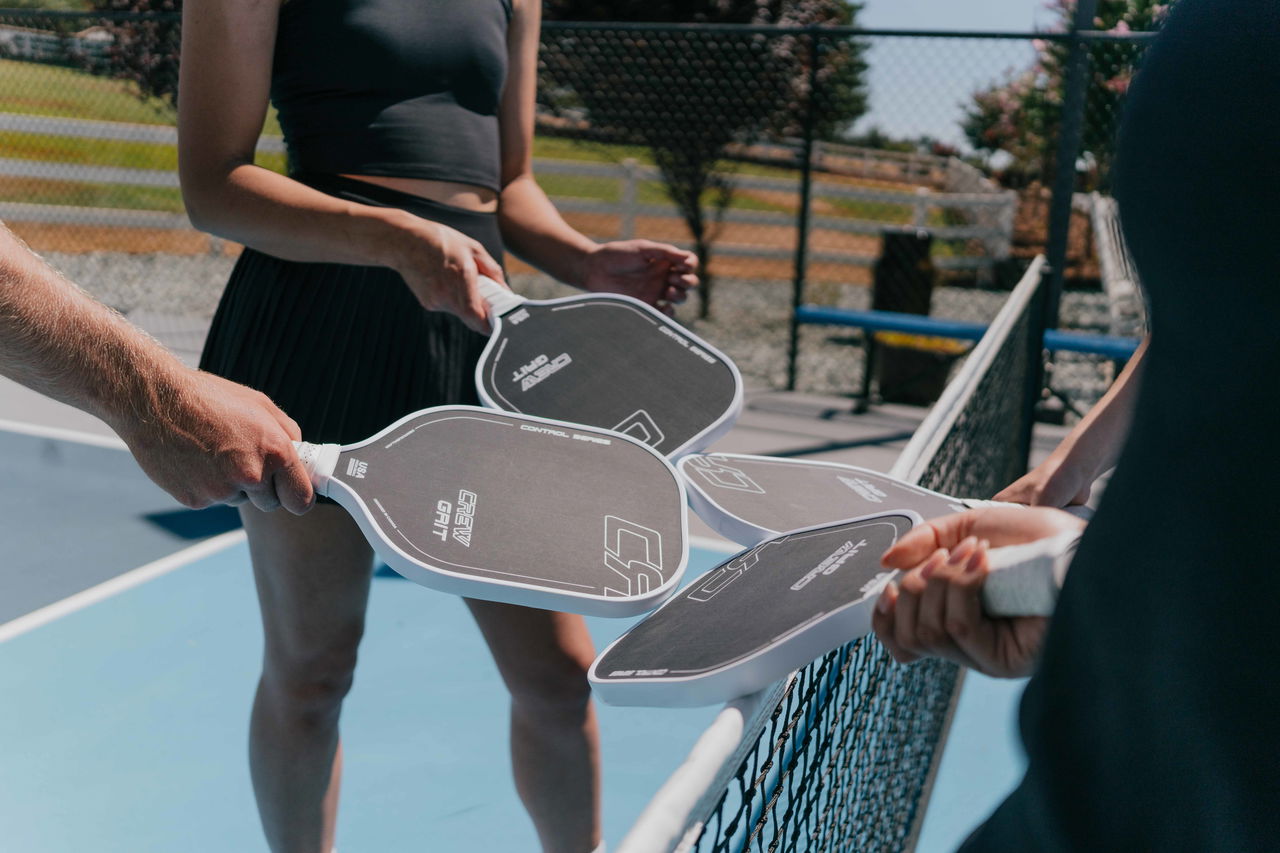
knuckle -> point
(913, 584)
(248, 473)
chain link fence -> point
(898, 171)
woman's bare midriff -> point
(465, 196)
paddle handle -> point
(499, 297)
(1078, 510)
(320, 461)
(1025, 579)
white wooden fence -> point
(986, 215)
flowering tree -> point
(1021, 116)
(144, 50)
(689, 96)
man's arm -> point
(201, 438)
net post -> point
(802, 221)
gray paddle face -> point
(610, 362)
(755, 618)
(522, 510)
(749, 498)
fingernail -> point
(935, 561)
(975, 559)
(883, 604)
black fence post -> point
(1064, 180)
(802, 223)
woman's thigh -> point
(543, 655)
(313, 574)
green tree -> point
(145, 49)
(1021, 115)
(690, 95)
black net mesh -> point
(846, 756)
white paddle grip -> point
(1078, 510)
(500, 299)
(1025, 579)
(320, 460)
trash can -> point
(902, 281)
(903, 276)
(913, 369)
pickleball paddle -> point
(754, 618)
(749, 498)
(775, 607)
(607, 361)
(512, 508)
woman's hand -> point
(935, 609)
(655, 273)
(441, 266)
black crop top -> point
(397, 88)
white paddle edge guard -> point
(703, 439)
(665, 824)
(1029, 578)
(508, 591)
(787, 652)
(748, 534)
(1025, 579)
(319, 460)
(499, 298)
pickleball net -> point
(842, 755)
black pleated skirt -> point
(346, 350)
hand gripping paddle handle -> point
(320, 460)
(500, 299)
(1025, 579)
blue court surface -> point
(124, 718)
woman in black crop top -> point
(409, 128)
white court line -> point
(118, 584)
(75, 435)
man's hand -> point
(212, 441)
(936, 607)
(654, 273)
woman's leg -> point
(313, 575)
(555, 751)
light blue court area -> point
(124, 726)
(981, 763)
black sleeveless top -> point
(397, 88)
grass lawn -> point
(84, 194)
(32, 88)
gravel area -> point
(174, 297)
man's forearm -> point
(59, 341)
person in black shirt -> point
(1150, 722)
